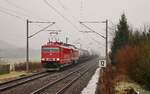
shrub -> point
(125, 57)
(33, 66)
(140, 70)
(4, 68)
(135, 62)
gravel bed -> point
(30, 87)
(79, 85)
(56, 87)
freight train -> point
(55, 55)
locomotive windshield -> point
(47, 49)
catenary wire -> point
(23, 9)
(65, 18)
(61, 4)
(15, 12)
(13, 15)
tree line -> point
(130, 52)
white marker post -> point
(102, 63)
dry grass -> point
(11, 75)
(106, 81)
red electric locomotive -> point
(55, 55)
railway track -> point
(63, 89)
(16, 82)
(30, 84)
(58, 86)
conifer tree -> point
(121, 36)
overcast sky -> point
(67, 14)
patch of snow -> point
(91, 87)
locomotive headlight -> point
(57, 59)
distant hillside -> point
(5, 45)
(10, 51)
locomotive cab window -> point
(47, 49)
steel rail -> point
(20, 78)
(16, 82)
(56, 81)
(73, 81)
(26, 79)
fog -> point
(67, 14)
